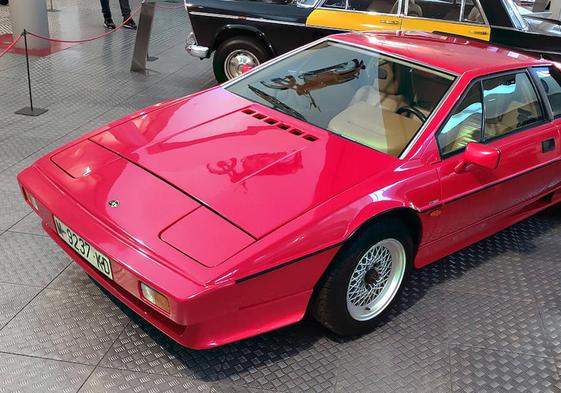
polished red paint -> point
(234, 211)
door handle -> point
(548, 145)
(389, 22)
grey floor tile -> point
(75, 279)
(64, 326)
(30, 224)
(30, 259)
(384, 363)
(298, 358)
(418, 313)
(12, 209)
(106, 380)
(143, 348)
(480, 370)
(13, 299)
(24, 374)
(496, 323)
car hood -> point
(255, 167)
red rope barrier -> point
(136, 11)
(11, 46)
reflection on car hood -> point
(226, 152)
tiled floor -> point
(486, 319)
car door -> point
(460, 17)
(519, 126)
(357, 15)
(503, 112)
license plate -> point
(97, 259)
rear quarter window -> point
(550, 79)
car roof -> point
(456, 55)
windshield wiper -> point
(277, 104)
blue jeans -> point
(125, 8)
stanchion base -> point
(27, 111)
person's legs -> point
(105, 10)
(126, 11)
(125, 8)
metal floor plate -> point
(486, 319)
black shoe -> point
(130, 25)
(109, 24)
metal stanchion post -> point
(29, 110)
(140, 54)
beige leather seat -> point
(509, 120)
(475, 16)
(384, 92)
(376, 127)
(428, 90)
(504, 114)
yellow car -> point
(245, 33)
(454, 17)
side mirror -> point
(480, 155)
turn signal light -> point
(31, 199)
(155, 297)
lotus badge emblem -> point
(113, 203)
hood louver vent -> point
(279, 124)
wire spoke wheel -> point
(376, 279)
(235, 62)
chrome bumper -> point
(193, 49)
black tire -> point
(225, 48)
(329, 304)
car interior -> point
(510, 103)
(401, 96)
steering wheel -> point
(413, 111)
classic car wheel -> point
(365, 279)
(233, 54)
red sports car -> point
(314, 182)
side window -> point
(550, 78)
(473, 13)
(510, 103)
(435, 9)
(464, 125)
(339, 4)
(381, 6)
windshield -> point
(370, 98)
(514, 14)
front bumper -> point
(202, 316)
(194, 49)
